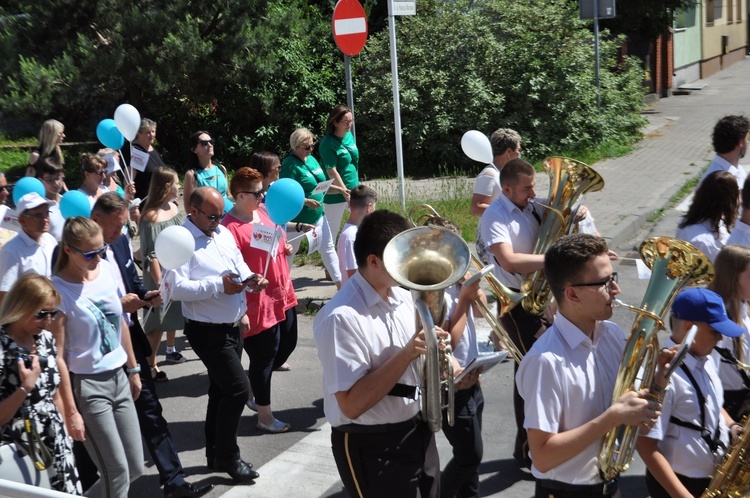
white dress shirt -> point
(357, 332)
(567, 380)
(487, 183)
(466, 349)
(504, 222)
(684, 448)
(25, 255)
(730, 377)
(198, 283)
(702, 237)
(721, 164)
(740, 234)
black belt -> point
(413, 422)
(212, 325)
(403, 391)
(601, 489)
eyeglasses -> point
(212, 217)
(37, 217)
(88, 256)
(41, 315)
(608, 283)
(54, 179)
(206, 143)
(347, 121)
(258, 193)
(308, 148)
(101, 172)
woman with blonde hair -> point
(51, 136)
(31, 373)
(159, 212)
(94, 340)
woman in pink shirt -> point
(273, 317)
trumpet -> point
(507, 299)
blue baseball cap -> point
(703, 305)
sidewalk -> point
(677, 144)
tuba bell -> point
(428, 260)
(507, 299)
(569, 180)
(675, 264)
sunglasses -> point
(88, 256)
(212, 217)
(206, 143)
(258, 194)
(41, 315)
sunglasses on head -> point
(206, 143)
(88, 256)
(42, 314)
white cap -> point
(30, 201)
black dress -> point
(43, 411)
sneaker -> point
(175, 357)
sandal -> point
(276, 427)
(284, 368)
(158, 375)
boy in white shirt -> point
(362, 202)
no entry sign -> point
(349, 26)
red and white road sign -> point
(349, 26)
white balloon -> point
(174, 246)
(476, 145)
(128, 120)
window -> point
(710, 12)
(739, 10)
(730, 11)
(685, 18)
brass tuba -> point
(428, 260)
(732, 477)
(569, 180)
(675, 264)
(506, 298)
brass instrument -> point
(506, 299)
(732, 477)
(427, 260)
(569, 180)
(675, 264)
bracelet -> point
(134, 370)
(72, 413)
(656, 390)
(298, 227)
(23, 389)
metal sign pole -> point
(396, 105)
(349, 88)
(596, 53)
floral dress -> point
(42, 410)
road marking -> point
(305, 469)
(350, 26)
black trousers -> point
(563, 490)
(269, 350)
(523, 329)
(220, 349)
(395, 464)
(695, 486)
(461, 475)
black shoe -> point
(238, 469)
(188, 490)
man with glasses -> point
(211, 288)
(53, 178)
(568, 376)
(31, 250)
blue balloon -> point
(109, 135)
(25, 186)
(228, 205)
(284, 200)
(75, 203)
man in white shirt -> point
(510, 228)
(690, 438)
(211, 288)
(730, 144)
(31, 250)
(362, 201)
(568, 376)
(367, 344)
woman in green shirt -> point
(302, 167)
(340, 158)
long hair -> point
(337, 114)
(28, 295)
(158, 190)
(193, 162)
(732, 260)
(76, 230)
(263, 162)
(716, 199)
(48, 134)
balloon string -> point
(125, 168)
